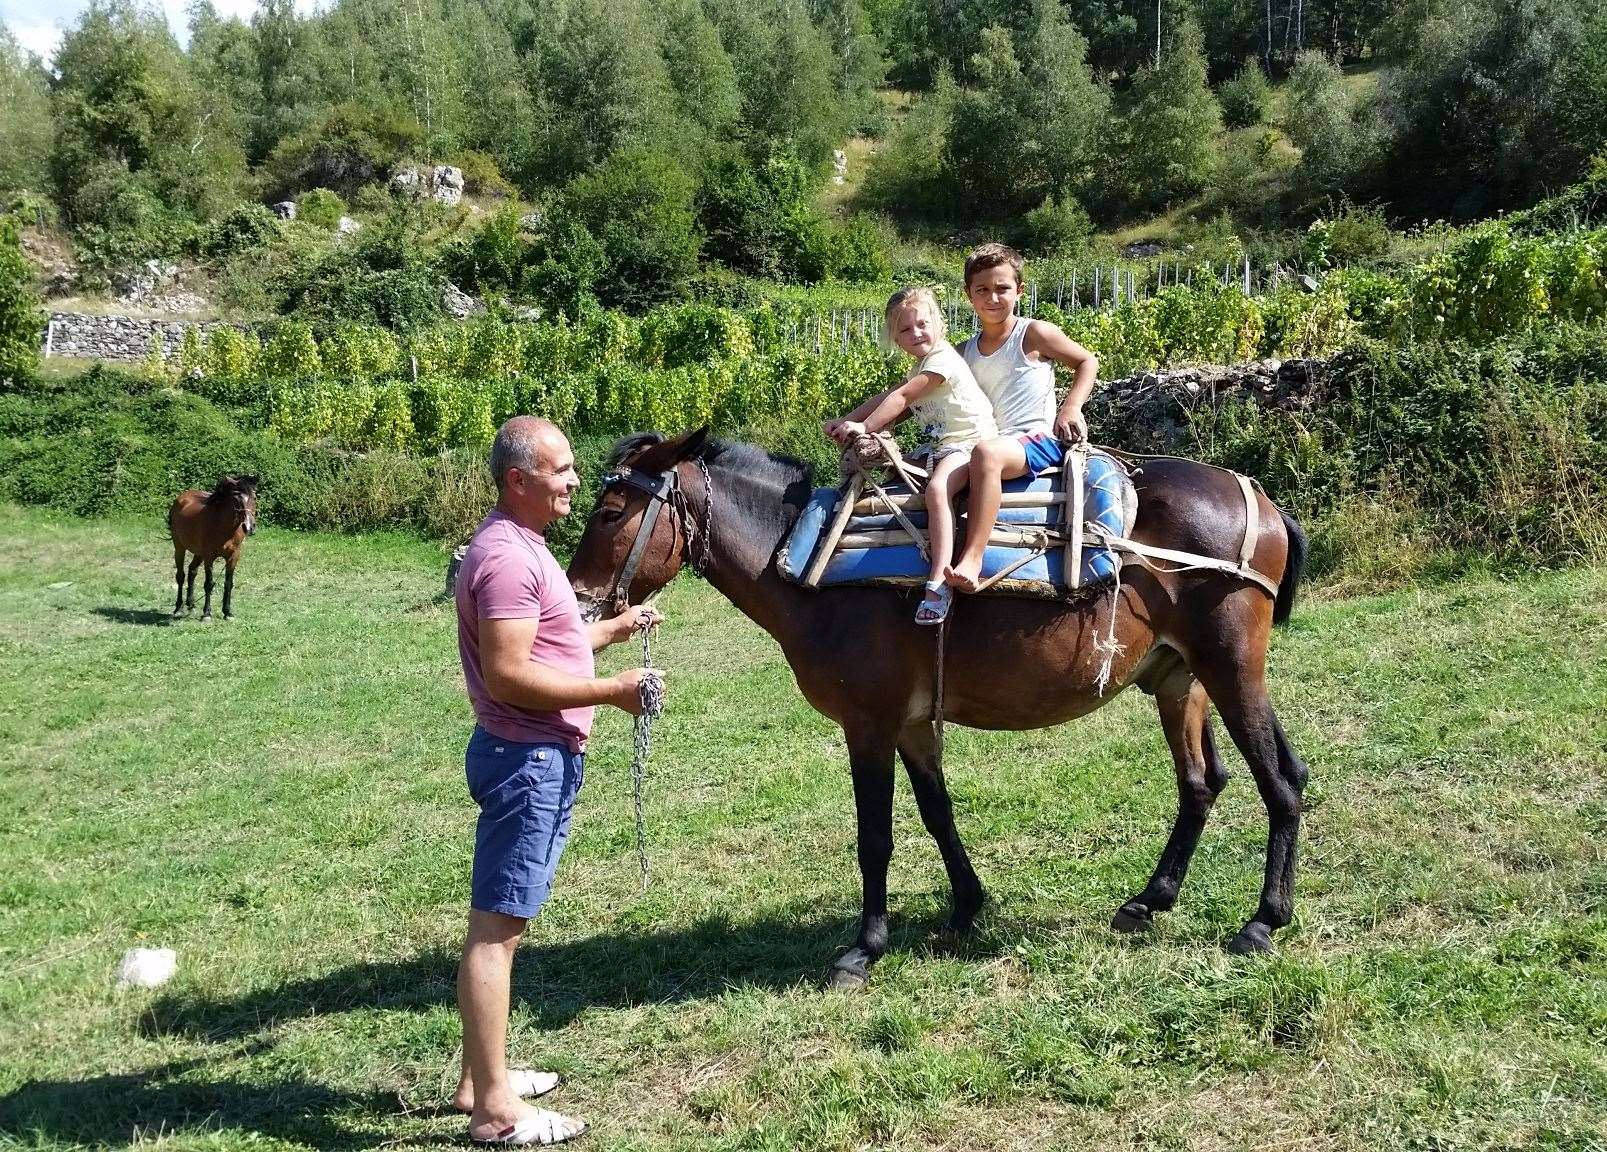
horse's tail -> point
(1294, 568)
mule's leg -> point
(206, 609)
(195, 566)
(917, 746)
(1186, 720)
(1280, 777)
(870, 758)
(178, 578)
(228, 587)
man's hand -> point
(633, 620)
(1071, 427)
(627, 694)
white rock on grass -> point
(147, 967)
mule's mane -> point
(735, 456)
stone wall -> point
(126, 338)
(1148, 412)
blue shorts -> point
(526, 794)
(1043, 452)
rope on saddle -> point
(879, 450)
(651, 688)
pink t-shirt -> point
(508, 574)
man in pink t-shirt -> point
(527, 659)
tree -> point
(991, 150)
(134, 135)
(786, 73)
(21, 315)
(1068, 110)
(1319, 120)
(701, 73)
(639, 206)
(909, 175)
(603, 84)
(861, 68)
(1170, 123)
(25, 129)
(1470, 115)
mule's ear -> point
(224, 484)
(251, 483)
(663, 456)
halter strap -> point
(660, 490)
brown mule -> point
(1190, 638)
(208, 525)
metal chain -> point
(651, 687)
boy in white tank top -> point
(955, 416)
(1013, 359)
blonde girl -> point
(954, 413)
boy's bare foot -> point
(964, 576)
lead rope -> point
(651, 688)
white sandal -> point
(530, 1083)
(540, 1128)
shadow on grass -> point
(556, 982)
(133, 615)
(110, 1111)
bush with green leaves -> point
(242, 229)
(22, 315)
(1058, 226)
(347, 146)
(320, 208)
(1245, 98)
(639, 206)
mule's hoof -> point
(1132, 918)
(847, 979)
(228, 615)
(1254, 939)
(206, 616)
(962, 918)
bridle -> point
(663, 491)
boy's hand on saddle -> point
(1071, 427)
(627, 688)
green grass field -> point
(280, 798)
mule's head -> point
(637, 536)
(240, 494)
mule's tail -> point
(1293, 569)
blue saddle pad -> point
(1105, 503)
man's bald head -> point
(527, 443)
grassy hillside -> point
(281, 799)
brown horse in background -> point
(209, 525)
(1195, 640)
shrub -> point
(242, 229)
(1246, 97)
(321, 208)
(22, 315)
(639, 206)
(481, 176)
(1057, 227)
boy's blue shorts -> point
(1043, 452)
(526, 794)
